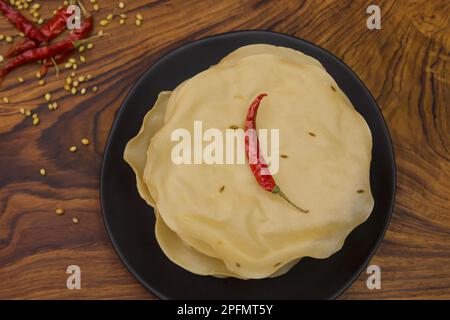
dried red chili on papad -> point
(260, 169)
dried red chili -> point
(57, 24)
(36, 54)
(41, 53)
(21, 47)
(76, 35)
(50, 30)
(260, 169)
(62, 47)
(21, 23)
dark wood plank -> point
(405, 65)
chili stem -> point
(86, 13)
(281, 194)
(56, 65)
(78, 43)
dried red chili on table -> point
(76, 35)
(41, 53)
(57, 24)
(37, 54)
(260, 169)
(59, 49)
(21, 23)
(50, 30)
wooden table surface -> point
(405, 65)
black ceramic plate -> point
(130, 222)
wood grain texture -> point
(405, 65)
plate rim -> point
(166, 55)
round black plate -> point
(130, 222)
